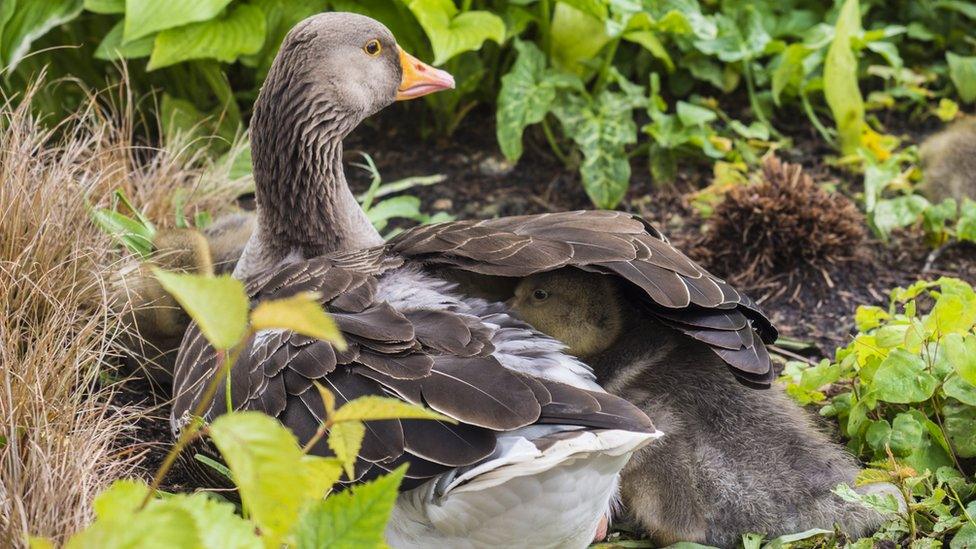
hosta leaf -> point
(112, 47)
(962, 71)
(145, 17)
(450, 32)
(300, 313)
(373, 408)
(901, 378)
(279, 17)
(353, 518)
(105, 6)
(218, 305)
(345, 439)
(268, 469)
(240, 32)
(840, 79)
(23, 21)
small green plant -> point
(407, 207)
(907, 404)
(283, 489)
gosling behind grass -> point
(155, 316)
(733, 460)
(949, 162)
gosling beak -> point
(419, 78)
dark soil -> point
(816, 308)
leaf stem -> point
(545, 22)
(815, 120)
(553, 144)
(601, 81)
(753, 99)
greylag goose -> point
(534, 456)
(682, 487)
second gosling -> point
(732, 460)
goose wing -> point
(442, 357)
(675, 289)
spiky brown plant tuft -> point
(783, 225)
(61, 438)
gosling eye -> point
(540, 295)
(373, 48)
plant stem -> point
(191, 430)
(545, 21)
(815, 120)
(553, 144)
(319, 433)
(753, 100)
(601, 81)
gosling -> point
(949, 162)
(733, 460)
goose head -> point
(583, 310)
(332, 71)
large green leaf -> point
(240, 32)
(450, 32)
(902, 378)
(300, 313)
(218, 305)
(351, 519)
(962, 71)
(112, 47)
(145, 17)
(576, 37)
(279, 18)
(527, 94)
(105, 6)
(268, 468)
(23, 21)
(960, 427)
(961, 352)
(840, 79)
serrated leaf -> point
(328, 399)
(375, 408)
(345, 439)
(112, 47)
(145, 17)
(840, 79)
(451, 33)
(218, 305)
(268, 469)
(240, 32)
(351, 519)
(217, 522)
(321, 473)
(301, 313)
(24, 21)
(961, 352)
(902, 378)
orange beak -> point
(420, 79)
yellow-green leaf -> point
(322, 473)
(328, 399)
(217, 304)
(840, 79)
(300, 313)
(961, 351)
(34, 542)
(345, 439)
(374, 408)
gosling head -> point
(183, 250)
(583, 310)
(350, 66)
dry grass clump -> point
(785, 225)
(61, 439)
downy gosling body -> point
(949, 162)
(732, 460)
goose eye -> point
(373, 48)
(540, 295)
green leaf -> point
(345, 439)
(351, 519)
(965, 538)
(906, 434)
(112, 46)
(145, 17)
(790, 71)
(218, 305)
(299, 313)
(450, 32)
(135, 236)
(790, 539)
(960, 427)
(962, 71)
(406, 207)
(966, 227)
(105, 6)
(840, 79)
(898, 212)
(693, 115)
(268, 469)
(524, 99)
(279, 18)
(961, 352)
(240, 32)
(374, 408)
(24, 21)
(217, 522)
(576, 37)
(960, 389)
(902, 378)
